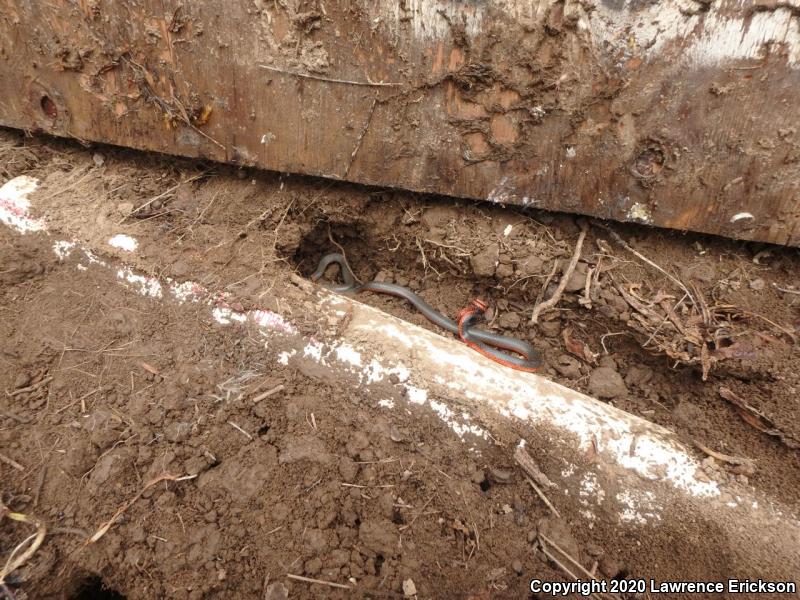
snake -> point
(520, 355)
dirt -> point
(315, 480)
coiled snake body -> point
(484, 342)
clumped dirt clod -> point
(105, 390)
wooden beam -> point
(680, 114)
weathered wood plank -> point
(681, 114)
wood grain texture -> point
(681, 114)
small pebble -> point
(98, 159)
(409, 589)
(517, 566)
(500, 475)
(395, 434)
(125, 208)
(22, 380)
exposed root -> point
(108, 524)
(576, 255)
(23, 551)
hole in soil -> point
(93, 588)
(397, 517)
(317, 244)
(485, 484)
(378, 563)
(49, 107)
(623, 574)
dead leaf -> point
(743, 466)
(578, 347)
(756, 419)
(741, 349)
(150, 368)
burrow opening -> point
(94, 588)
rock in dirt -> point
(532, 265)
(316, 540)
(509, 320)
(691, 417)
(304, 447)
(357, 442)
(22, 380)
(517, 566)
(577, 281)
(558, 531)
(348, 469)
(108, 469)
(409, 589)
(378, 535)
(276, 591)
(484, 263)
(567, 366)
(550, 328)
(395, 434)
(639, 376)
(605, 382)
(609, 567)
(125, 208)
(498, 475)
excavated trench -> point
(246, 234)
(451, 252)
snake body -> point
(484, 342)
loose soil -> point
(322, 483)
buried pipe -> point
(609, 469)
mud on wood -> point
(678, 114)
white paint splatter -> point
(283, 357)
(63, 249)
(15, 206)
(123, 242)
(742, 216)
(639, 213)
(348, 354)
(624, 30)
(143, 284)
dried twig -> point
(544, 498)
(30, 388)
(360, 138)
(528, 465)
(786, 290)
(792, 336)
(333, 241)
(757, 419)
(329, 79)
(108, 524)
(341, 586)
(18, 557)
(742, 465)
(643, 258)
(11, 462)
(532, 471)
(239, 429)
(561, 565)
(570, 558)
(161, 195)
(268, 393)
(565, 277)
